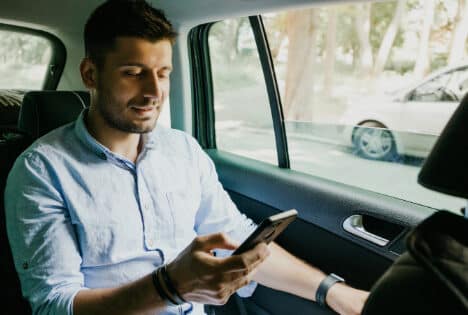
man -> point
(118, 216)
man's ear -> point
(88, 72)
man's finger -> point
(217, 240)
(246, 261)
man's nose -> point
(153, 87)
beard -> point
(107, 105)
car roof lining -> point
(70, 16)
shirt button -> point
(150, 243)
(146, 206)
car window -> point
(459, 82)
(337, 68)
(240, 98)
(24, 60)
(435, 90)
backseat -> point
(40, 112)
(10, 104)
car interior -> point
(348, 230)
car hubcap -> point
(375, 142)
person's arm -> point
(196, 274)
(47, 255)
(282, 271)
(41, 236)
(138, 297)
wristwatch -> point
(324, 286)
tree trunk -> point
(422, 61)
(362, 23)
(460, 34)
(302, 52)
(330, 51)
(389, 37)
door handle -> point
(353, 225)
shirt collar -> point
(81, 131)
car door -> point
(352, 219)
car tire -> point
(373, 141)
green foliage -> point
(381, 16)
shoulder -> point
(47, 148)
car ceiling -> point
(70, 15)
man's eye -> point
(164, 75)
(132, 73)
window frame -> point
(202, 88)
(58, 57)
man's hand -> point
(200, 277)
(346, 300)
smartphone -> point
(268, 230)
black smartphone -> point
(268, 230)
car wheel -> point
(374, 141)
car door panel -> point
(317, 236)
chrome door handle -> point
(353, 225)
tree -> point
(457, 51)
(362, 24)
(389, 38)
(330, 51)
(422, 59)
(302, 51)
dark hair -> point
(117, 18)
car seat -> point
(41, 112)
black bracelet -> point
(172, 290)
(321, 294)
(160, 290)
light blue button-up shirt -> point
(80, 216)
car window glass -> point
(24, 60)
(433, 91)
(344, 73)
(243, 121)
(459, 82)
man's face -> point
(132, 84)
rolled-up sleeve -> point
(44, 246)
(217, 212)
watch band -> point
(324, 286)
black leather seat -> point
(41, 112)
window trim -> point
(58, 57)
(202, 86)
(271, 84)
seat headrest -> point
(446, 169)
(43, 111)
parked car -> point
(407, 121)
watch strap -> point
(324, 286)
